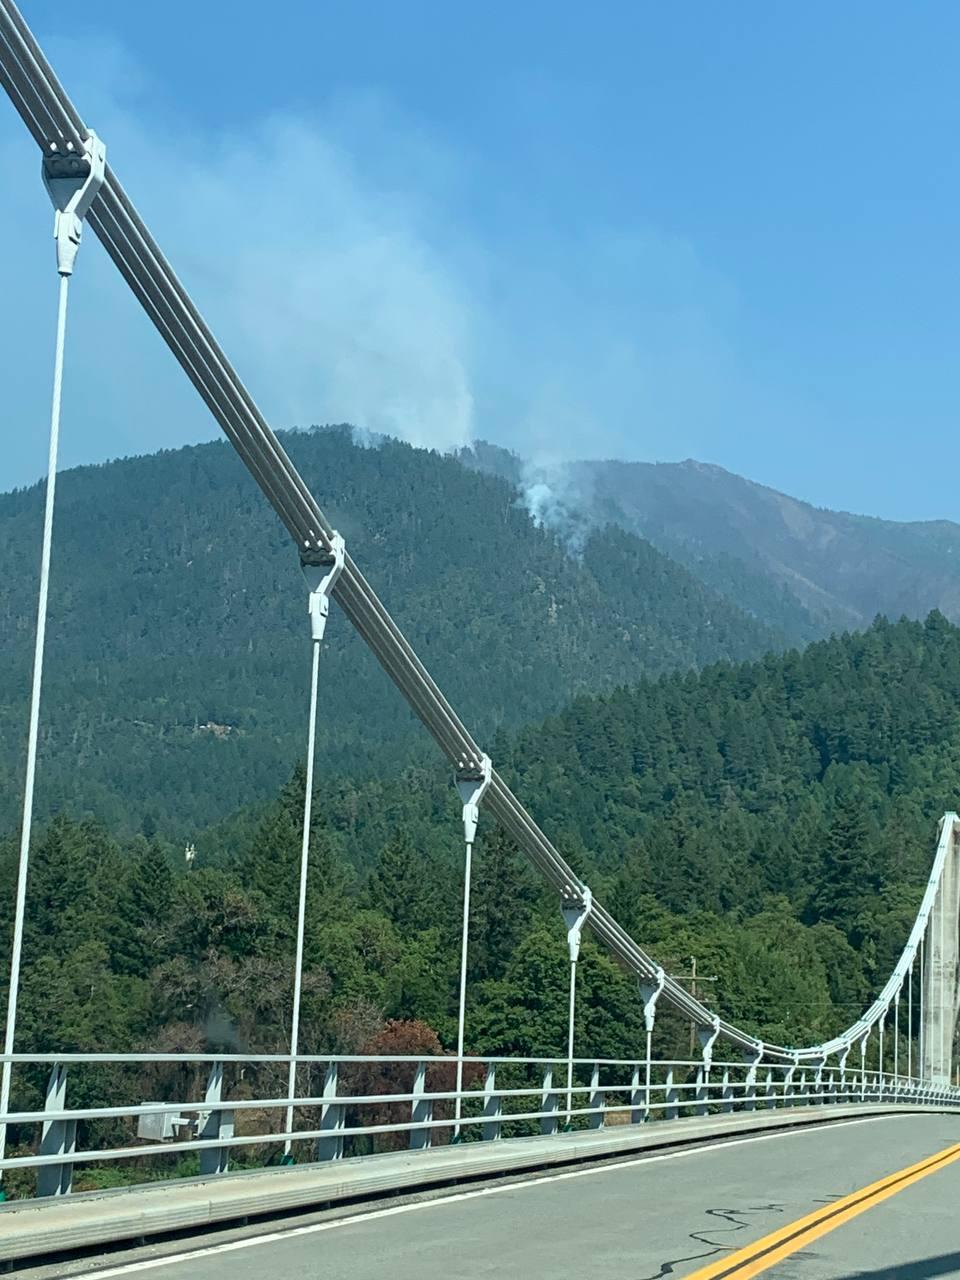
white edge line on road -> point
(275, 1237)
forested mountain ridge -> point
(775, 819)
(805, 570)
(178, 642)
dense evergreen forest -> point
(178, 644)
(775, 819)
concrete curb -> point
(32, 1229)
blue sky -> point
(639, 230)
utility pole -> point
(693, 978)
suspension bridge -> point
(697, 1166)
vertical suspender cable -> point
(302, 902)
(910, 1023)
(571, 1011)
(473, 777)
(921, 1045)
(73, 179)
(462, 1002)
(33, 732)
(321, 574)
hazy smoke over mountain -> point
(337, 259)
(558, 500)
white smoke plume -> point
(560, 501)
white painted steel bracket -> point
(708, 1038)
(72, 180)
(576, 904)
(473, 779)
(650, 993)
(321, 570)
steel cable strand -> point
(38, 119)
(49, 84)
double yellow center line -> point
(764, 1253)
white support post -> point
(769, 1091)
(788, 1084)
(842, 1064)
(217, 1124)
(548, 1106)
(575, 906)
(421, 1110)
(58, 1137)
(332, 1117)
(671, 1097)
(598, 1100)
(638, 1109)
(321, 570)
(473, 779)
(727, 1091)
(863, 1065)
(750, 1084)
(896, 1045)
(708, 1038)
(73, 182)
(492, 1106)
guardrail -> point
(222, 1106)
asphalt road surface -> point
(861, 1200)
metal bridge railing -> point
(346, 1106)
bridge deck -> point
(37, 1228)
(683, 1213)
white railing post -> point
(769, 1091)
(549, 1104)
(637, 1097)
(332, 1118)
(421, 1109)
(492, 1105)
(597, 1099)
(788, 1092)
(670, 1097)
(727, 1091)
(58, 1137)
(708, 1038)
(217, 1124)
(750, 1084)
(844, 1092)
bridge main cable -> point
(50, 116)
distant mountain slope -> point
(178, 641)
(801, 569)
(844, 569)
